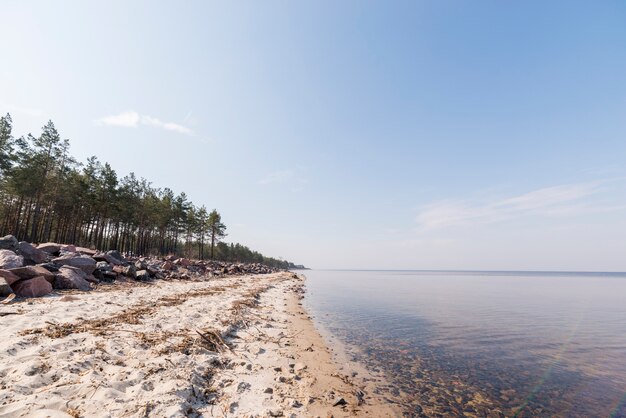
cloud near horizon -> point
(548, 201)
(132, 119)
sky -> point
(352, 134)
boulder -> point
(8, 242)
(129, 271)
(5, 288)
(167, 266)
(9, 276)
(9, 260)
(84, 262)
(50, 248)
(142, 275)
(68, 248)
(103, 266)
(30, 253)
(106, 257)
(116, 254)
(107, 276)
(50, 267)
(32, 288)
(86, 251)
(29, 272)
(70, 277)
(141, 264)
(182, 262)
(153, 269)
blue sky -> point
(352, 134)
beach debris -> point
(8, 299)
(340, 402)
(360, 397)
(213, 340)
(5, 288)
(276, 412)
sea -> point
(483, 343)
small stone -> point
(268, 390)
(275, 412)
(340, 402)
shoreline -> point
(226, 346)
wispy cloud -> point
(168, 126)
(125, 119)
(548, 201)
(132, 119)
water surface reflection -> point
(484, 343)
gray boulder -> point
(142, 275)
(50, 247)
(29, 272)
(108, 258)
(8, 242)
(32, 288)
(9, 260)
(71, 278)
(116, 254)
(84, 262)
(9, 277)
(31, 253)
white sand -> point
(133, 350)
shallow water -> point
(479, 343)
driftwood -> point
(8, 298)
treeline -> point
(241, 253)
(47, 195)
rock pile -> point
(33, 271)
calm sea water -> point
(484, 343)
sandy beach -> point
(231, 346)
